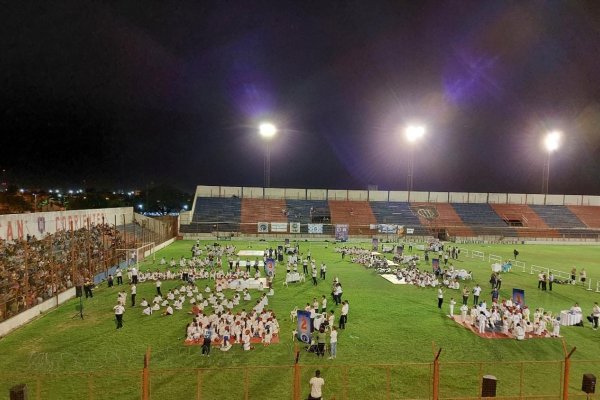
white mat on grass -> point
(255, 253)
(392, 278)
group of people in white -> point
(227, 327)
(509, 318)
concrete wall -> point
(378, 195)
(359, 195)
(478, 197)
(274, 193)
(295, 194)
(337, 194)
(34, 312)
(397, 196)
(231, 191)
(316, 194)
(18, 226)
(439, 197)
(590, 201)
(459, 197)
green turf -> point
(385, 348)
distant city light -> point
(552, 141)
(414, 133)
(267, 130)
(141, 206)
(22, 190)
(185, 207)
(70, 191)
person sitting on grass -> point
(147, 310)
(168, 311)
(519, 332)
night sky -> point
(126, 93)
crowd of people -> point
(33, 270)
(508, 318)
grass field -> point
(391, 331)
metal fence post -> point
(90, 385)
(246, 384)
(199, 384)
(146, 376)
(521, 383)
(567, 371)
(388, 382)
(296, 389)
(38, 388)
(436, 376)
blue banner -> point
(304, 326)
(270, 267)
(518, 296)
(341, 232)
(375, 243)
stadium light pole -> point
(413, 134)
(267, 131)
(551, 144)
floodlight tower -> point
(267, 131)
(413, 134)
(551, 144)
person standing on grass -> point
(321, 340)
(119, 276)
(573, 275)
(323, 304)
(465, 295)
(333, 343)
(119, 310)
(343, 315)
(158, 285)
(133, 294)
(314, 275)
(452, 304)
(595, 315)
(550, 281)
(476, 293)
(316, 384)
(440, 297)
(134, 275)
(207, 339)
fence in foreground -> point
(560, 379)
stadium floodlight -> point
(552, 141)
(267, 131)
(551, 144)
(413, 133)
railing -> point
(556, 379)
(495, 234)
